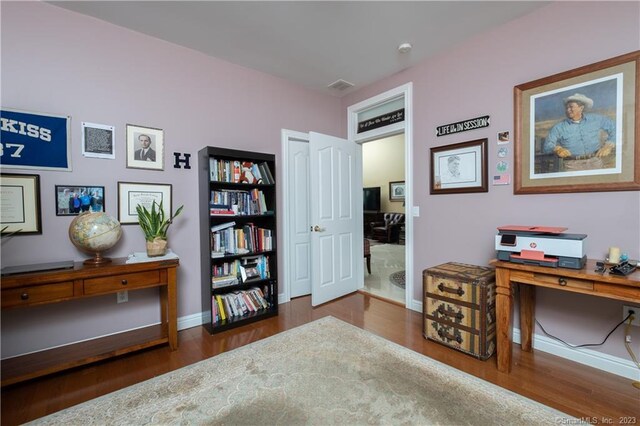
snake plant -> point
(153, 222)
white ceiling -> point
(312, 43)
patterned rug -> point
(326, 372)
(398, 278)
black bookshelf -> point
(218, 164)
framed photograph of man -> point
(396, 191)
(577, 131)
(98, 141)
(459, 168)
(130, 194)
(71, 200)
(145, 148)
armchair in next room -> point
(389, 230)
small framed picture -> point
(249, 272)
(396, 191)
(20, 200)
(98, 141)
(130, 194)
(460, 167)
(71, 200)
(145, 148)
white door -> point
(336, 213)
(299, 235)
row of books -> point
(237, 304)
(247, 239)
(235, 202)
(239, 172)
(230, 273)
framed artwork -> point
(20, 204)
(460, 167)
(130, 194)
(145, 148)
(578, 131)
(71, 200)
(98, 141)
(396, 191)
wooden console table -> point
(39, 288)
(584, 281)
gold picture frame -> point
(607, 94)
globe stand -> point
(98, 260)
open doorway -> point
(383, 179)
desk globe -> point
(95, 233)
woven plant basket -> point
(157, 247)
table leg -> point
(172, 302)
(527, 315)
(504, 308)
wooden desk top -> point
(81, 271)
(588, 272)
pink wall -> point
(477, 78)
(61, 62)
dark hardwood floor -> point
(577, 390)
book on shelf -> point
(221, 226)
(220, 212)
(240, 303)
(221, 312)
(224, 281)
(266, 173)
(256, 172)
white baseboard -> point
(601, 361)
(193, 320)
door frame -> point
(406, 92)
(286, 137)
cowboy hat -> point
(579, 98)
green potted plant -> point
(155, 224)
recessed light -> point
(404, 47)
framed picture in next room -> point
(396, 191)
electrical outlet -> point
(636, 314)
(123, 296)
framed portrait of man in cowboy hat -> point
(576, 131)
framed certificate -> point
(20, 204)
(130, 194)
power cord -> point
(586, 344)
(627, 332)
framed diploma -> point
(20, 204)
(130, 194)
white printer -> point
(541, 245)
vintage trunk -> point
(459, 307)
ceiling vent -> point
(340, 85)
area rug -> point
(322, 373)
(398, 278)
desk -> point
(83, 281)
(584, 281)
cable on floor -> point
(586, 344)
